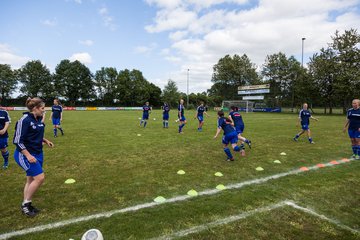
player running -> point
(181, 116)
(200, 111)
(230, 136)
(353, 125)
(238, 122)
(166, 110)
(304, 120)
(4, 125)
(146, 113)
(29, 139)
(56, 117)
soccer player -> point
(230, 136)
(353, 125)
(166, 110)
(200, 115)
(238, 122)
(181, 115)
(4, 125)
(29, 139)
(146, 113)
(56, 117)
(304, 120)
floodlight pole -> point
(302, 51)
(187, 93)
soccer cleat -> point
(230, 159)
(353, 156)
(5, 166)
(249, 143)
(312, 142)
(28, 210)
(55, 136)
(357, 157)
(33, 209)
(295, 139)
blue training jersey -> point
(237, 118)
(29, 134)
(166, 109)
(225, 125)
(200, 111)
(354, 118)
(181, 110)
(4, 118)
(304, 115)
(146, 109)
(56, 111)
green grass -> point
(114, 168)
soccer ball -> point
(154, 119)
(92, 234)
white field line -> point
(244, 215)
(152, 204)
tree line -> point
(331, 79)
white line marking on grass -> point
(152, 204)
(244, 215)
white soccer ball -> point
(92, 234)
(154, 119)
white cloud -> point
(83, 57)
(49, 23)
(7, 56)
(145, 49)
(107, 19)
(86, 42)
(201, 34)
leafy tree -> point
(347, 49)
(171, 94)
(323, 70)
(8, 81)
(36, 80)
(105, 80)
(281, 72)
(230, 73)
(73, 80)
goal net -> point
(245, 106)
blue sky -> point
(164, 38)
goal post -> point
(243, 105)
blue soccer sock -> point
(55, 131)
(297, 136)
(354, 149)
(166, 123)
(357, 150)
(6, 157)
(228, 153)
(181, 127)
(145, 122)
(246, 140)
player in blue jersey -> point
(57, 116)
(200, 111)
(230, 136)
(146, 113)
(29, 140)
(166, 110)
(353, 125)
(238, 122)
(4, 125)
(181, 116)
(304, 120)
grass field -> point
(114, 168)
